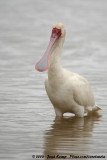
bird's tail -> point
(94, 112)
(98, 108)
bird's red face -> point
(43, 63)
(56, 32)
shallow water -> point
(27, 120)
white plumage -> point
(68, 92)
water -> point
(27, 120)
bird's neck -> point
(55, 69)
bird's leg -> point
(58, 112)
(80, 111)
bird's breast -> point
(59, 96)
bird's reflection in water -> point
(70, 136)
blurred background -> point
(27, 120)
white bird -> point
(68, 91)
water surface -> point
(27, 120)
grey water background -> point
(27, 120)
